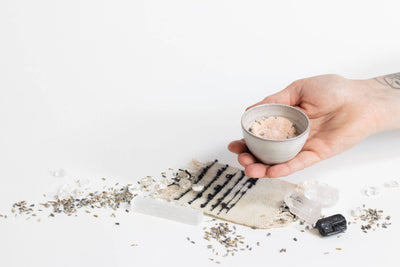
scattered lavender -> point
(111, 198)
(371, 219)
(73, 197)
(222, 237)
(223, 240)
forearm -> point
(384, 96)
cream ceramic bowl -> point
(271, 151)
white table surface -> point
(125, 89)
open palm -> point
(339, 115)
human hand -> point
(342, 112)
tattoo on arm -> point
(393, 80)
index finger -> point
(303, 160)
(238, 146)
(291, 95)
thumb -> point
(291, 95)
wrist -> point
(383, 101)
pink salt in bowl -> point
(274, 151)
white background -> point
(125, 89)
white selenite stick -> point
(167, 210)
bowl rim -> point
(305, 132)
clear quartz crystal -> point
(357, 212)
(146, 181)
(185, 183)
(68, 190)
(304, 208)
(58, 173)
(197, 187)
(161, 185)
(322, 193)
(392, 184)
(371, 191)
(167, 210)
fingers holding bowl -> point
(253, 168)
(257, 170)
(303, 160)
(238, 146)
(246, 159)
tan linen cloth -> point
(228, 194)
